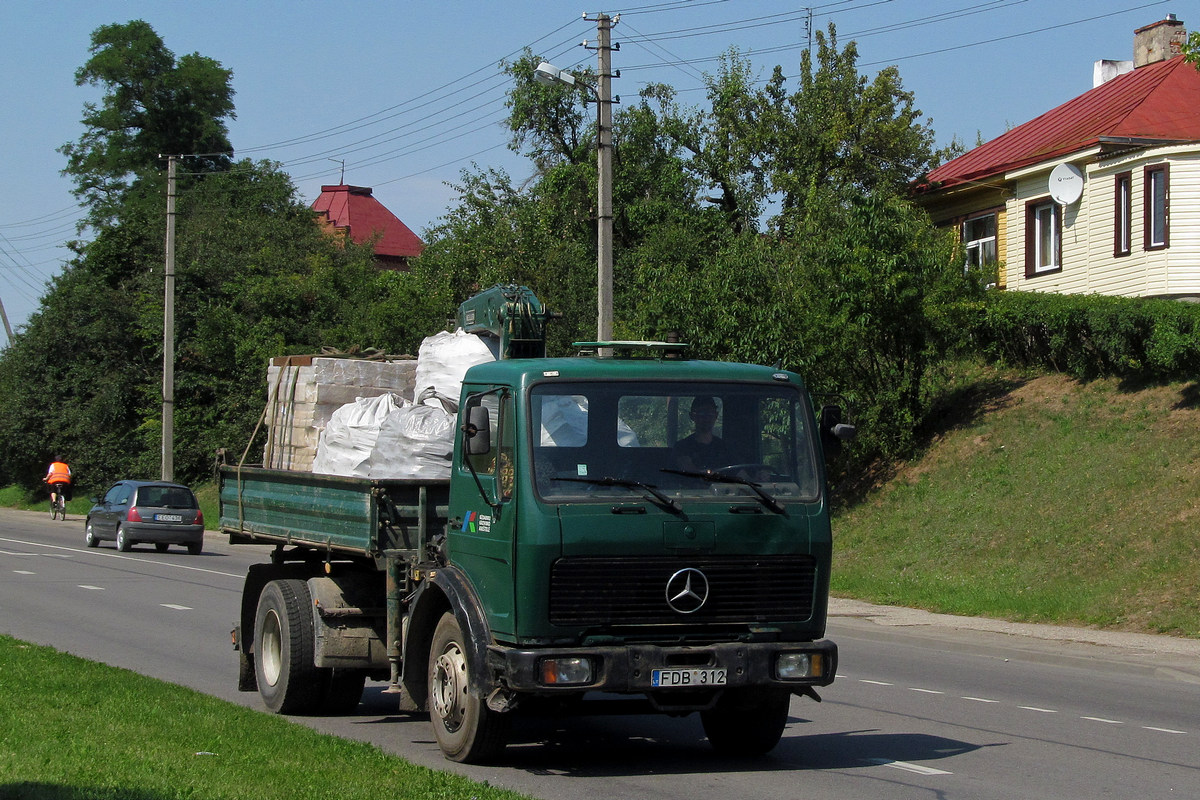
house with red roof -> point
(353, 212)
(1100, 195)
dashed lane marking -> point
(1105, 721)
(73, 552)
(907, 767)
(176, 607)
(1162, 730)
(1039, 710)
(91, 588)
(24, 572)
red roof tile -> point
(353, 209)
(1157, 101)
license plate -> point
(168, 518)
(667, 678)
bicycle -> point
(58, 506)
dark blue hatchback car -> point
(146, 511)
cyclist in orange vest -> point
(59, 478)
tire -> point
(343, 691)
(466, 729)
(195, 548)
(288, 681)
(89, 535)
(162, 547)
(747, 722)
(123, 543)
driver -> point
(702, 449)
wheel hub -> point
(449, 689)
(271, 656)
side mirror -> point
(477, 431)
(833, 430)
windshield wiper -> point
(720, 477)
(669, 503)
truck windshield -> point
(601, 440)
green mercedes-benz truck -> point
(627, 524)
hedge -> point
(1091, 336)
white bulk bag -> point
(444, 359)
(416, 441)
(346, 444)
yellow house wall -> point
(1088, 264)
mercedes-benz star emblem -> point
(687, 590)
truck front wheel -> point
(466, 729)
(747, 722)
(283, 649)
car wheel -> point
(123, 543)
(161, 547)
(90, 535)
(195, 548)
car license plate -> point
(168, 518)
(666, 678)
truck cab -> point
(645, 525)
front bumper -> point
(629, 669)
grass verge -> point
(77, 730)
(1061, 501)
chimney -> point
(1158, 41)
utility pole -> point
(7, 327)
(604, 211)
(168, 391)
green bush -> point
(1091, 336)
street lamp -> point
(551, 75)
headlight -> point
(795, 666)
(566, 671)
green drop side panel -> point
(326, 511)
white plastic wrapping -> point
(416, 441)
(444, 359)
(349, 440)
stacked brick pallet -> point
(304, 391)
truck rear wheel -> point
(747, 722)
(465, 728)
(343, 691)
(288, 681)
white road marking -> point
(177, 608)
(924, 691)
(123, 557)
(980, 700)
(24, 572)
(876, 683)
(1162, 730)
(91, 588)
(1040, 710)
(13, 553)
(1105, 721)
(907, 767)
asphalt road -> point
(925, 706)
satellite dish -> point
(1066, 184)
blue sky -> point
(407, 94)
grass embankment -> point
(76, 730)
(1045, 500)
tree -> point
(153, 106)
(256, 278)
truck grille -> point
(625, 590)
